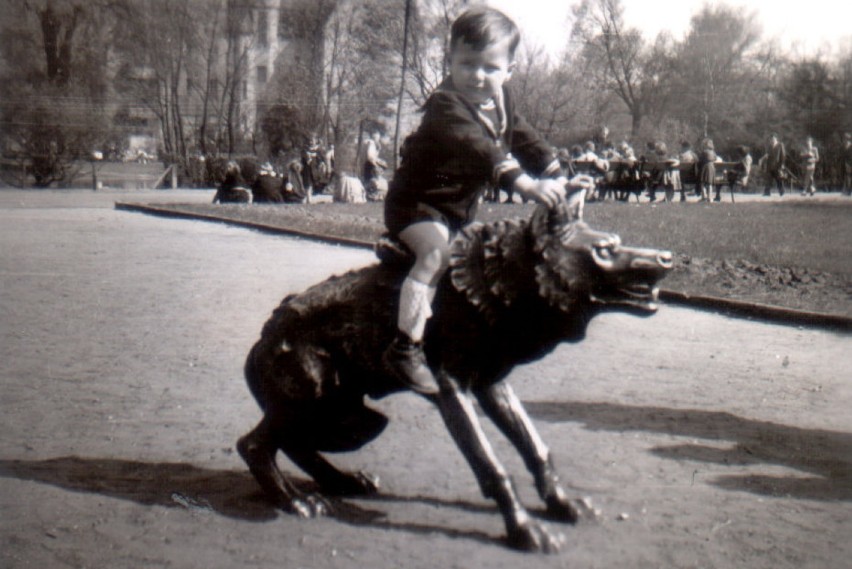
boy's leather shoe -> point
(407, 362)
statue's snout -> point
(651, 260)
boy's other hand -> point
(546, 191)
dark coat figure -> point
(775, 158)
(233, 188)
(846, 164)
(268, 189)
(311, 170)
(294, 187)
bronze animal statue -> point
(514, 291)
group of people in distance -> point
(298, 179)
(618, 169)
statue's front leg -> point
(507, 412)
(523, 532)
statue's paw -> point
(358, 484)
(309, 506)
(535, 538)
(367, 483)
(562, 509)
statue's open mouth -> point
(641, 296)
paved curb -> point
(733, 308)
(164, 212)
(757, 311)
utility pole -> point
(401, 83)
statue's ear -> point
(574, 201)
(568, 210)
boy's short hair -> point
(482, 26)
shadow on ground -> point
(825, 455)
(229, 493)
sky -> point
(804, 27)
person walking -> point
(775, 157)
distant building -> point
(259, 39)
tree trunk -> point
(636, 118)
(401, 84)
(57, 45)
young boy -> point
(469, 137)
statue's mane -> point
(490, 263)
(495, 264)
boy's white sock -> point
(415, 307)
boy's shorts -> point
(397, 219)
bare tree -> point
(556, 98)
(429, 49)
(54, 84)
(715, 69)
(363, 42)
(620, 59)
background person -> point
(776, 155)
(707, 170)
(809, 157)
(666, 173)
(233, 188)
(846, 164)
(267, 186)
(373, 166)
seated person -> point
(665, 173)
(232, 189)
(267, 186)
(689, 165)
(597, 164)
(627, 158)
(687, 154)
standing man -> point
(775, 156)
(810, 157)
(373, 164)
(846, 164)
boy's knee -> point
(430, 265)
(437, 260)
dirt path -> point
(706, 441)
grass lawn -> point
(796, 254)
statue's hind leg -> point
(306, 410)
(258, 449)
(339, 423)
(332, 481)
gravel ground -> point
(706, 441)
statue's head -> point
(580, 264)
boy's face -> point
(480, 74)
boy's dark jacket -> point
(453, 157)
